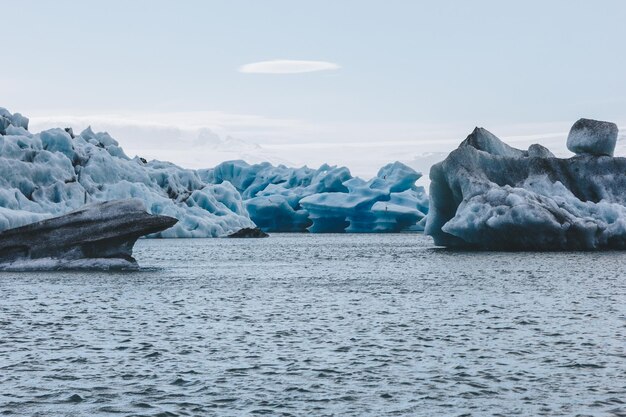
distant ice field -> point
(306, 324)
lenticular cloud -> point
(287, 66)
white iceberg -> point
(52, 173)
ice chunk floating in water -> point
(487, 195)
(272, 194)
(53, 172)
(390, 202)
(98, 236)
(328, 199)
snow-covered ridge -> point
(488, 195)
(54, 172)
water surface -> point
(318, 325)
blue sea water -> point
(362, 325)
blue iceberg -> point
(328, 199)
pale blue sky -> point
(403, 64)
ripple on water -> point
(318, 325)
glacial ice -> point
(54, 172)
(487, 195)
(592, 137)
(390, 202)
(328, 199)
(51, 173)
(7, 119)
(272, 194)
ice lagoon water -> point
(318, 325)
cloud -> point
(287, 66)
(199, 139)
(222, 123)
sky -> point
(355, 83)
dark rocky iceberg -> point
(247, 233)
(487, 195)
(100, 235)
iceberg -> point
(390, 202)
(54, 172)
(326, 200)
(99, 235)
(272, 194)
(487, 195)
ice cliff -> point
(328, 199)
(54, 172)
(488, 195)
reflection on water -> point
(318, 325)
